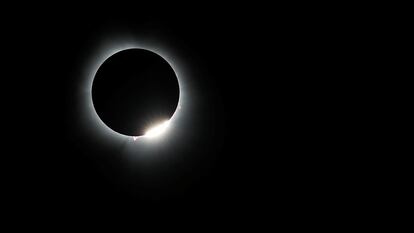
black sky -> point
(262, 84)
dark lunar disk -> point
(133, 90)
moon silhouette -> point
(133, 90)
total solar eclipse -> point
(135, 92)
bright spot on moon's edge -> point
(156, 130)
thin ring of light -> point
(91, 118)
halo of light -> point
(178, 107)
(105, 51)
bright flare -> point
(157, 130)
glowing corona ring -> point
(91, 119)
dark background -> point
(271, 78)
